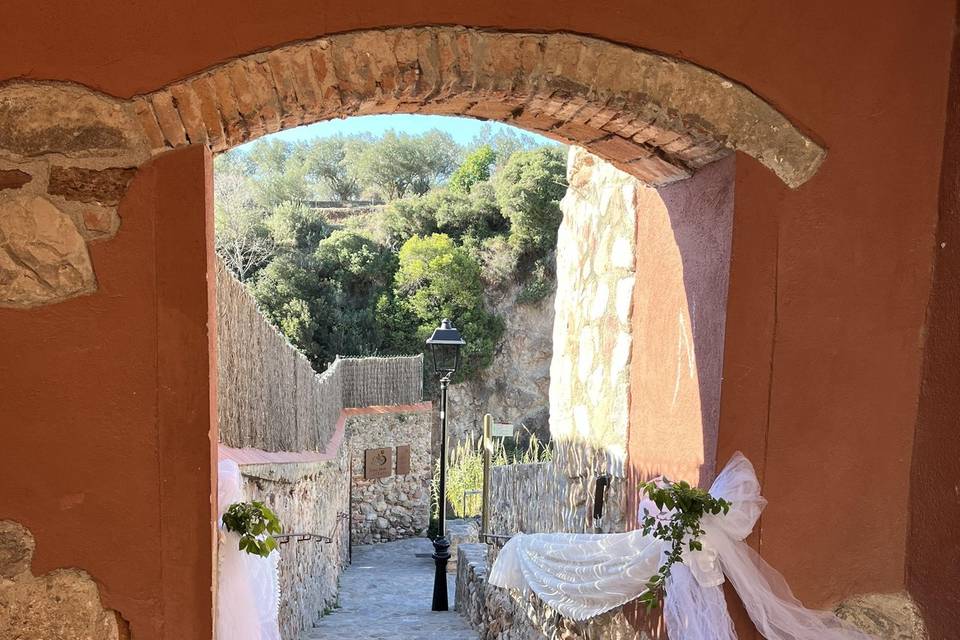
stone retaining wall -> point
(556, 496)
(308, 498)
(396, 507)
(498, 614)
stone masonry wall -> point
(589, 372)
(308, 498)
(398, 506)
(544, 497)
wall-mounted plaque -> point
(403, 459)
(501, 430)
(377, 463)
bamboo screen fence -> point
(269, 396)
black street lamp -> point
(445, 344)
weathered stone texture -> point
(555, 496)
(398, 506)
(460, 532)
(61, 605)
(515, 387)
(16, 549)
(43, 257)
(890, 616)
(13, 178)
(589, 373)
(101, 186)
(59, 118)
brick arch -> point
(658, 118)
(68, 153)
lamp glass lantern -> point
(445, 345)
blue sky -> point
(462, 129)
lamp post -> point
(444, 344)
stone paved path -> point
(386, 595)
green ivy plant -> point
(679, 525)
(256, 524)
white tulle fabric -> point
(248, 595)
(583, 575)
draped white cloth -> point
(584, 575)
(248, 596)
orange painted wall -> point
(828, 289)
(933, 563)
(107, 401)
(679, 304)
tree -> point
(457, 214)
(294, 226)
(289, 293)
(399, 164)
(332, 162)
(437, 279)
(474, 169)
(268, 155)
(243, 241)
(278, 170)
(505, 142)
(359, 271)
(529, 189)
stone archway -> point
(68, 153)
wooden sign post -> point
(491, 430)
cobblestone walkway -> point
(386, 594)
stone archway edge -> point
(655, 116)
(658, 118)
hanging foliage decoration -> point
(681, 508)
(256, 524)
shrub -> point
(437, 279)
(474, 169)
(529, 190)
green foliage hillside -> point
(453, 226)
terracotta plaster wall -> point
(828, 285)
(107, 403)
(933, 565)
(679, 310)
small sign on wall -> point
(403, 459)
(501, 430)
(377, 463)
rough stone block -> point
(891, 616)
(460, 532)
(13, 179)
(43, 257)
(102, 186)
(61, 605)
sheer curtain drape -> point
(248, 586)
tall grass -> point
(465, 470)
